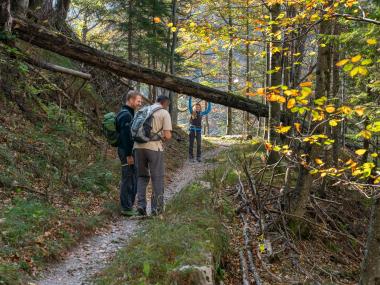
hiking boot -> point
(129, 213)
(141, 212)
(199, 159)
(191, 159)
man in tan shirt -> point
(149, 158)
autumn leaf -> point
(371, 41)
(345, 110)
(365, 134)
(342, 62)
(306, 84)
(363, 70)
(359, 111)
(354, 71)
(298, 127)
(318, 161)
(361, 151)
(283, 129)
(356, 58)
(268, 146)
(261, 91)
(330, 109)
(291, 103)
(333, 123)
(157, 20)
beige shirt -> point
(161, 121)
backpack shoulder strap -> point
(121, 114)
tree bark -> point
(55, 42)
(305, 179)
(173, 97)
(5, 16)
(370, 273)
(230, 62)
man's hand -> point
(130, 160)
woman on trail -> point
(195, 130)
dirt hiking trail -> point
(93, 254)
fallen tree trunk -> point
(53, 41)
(57, 68)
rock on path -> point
(93, 254)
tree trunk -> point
(230, 62)
(19, 7)
(173, 97)
(275, 80)
(5, 17)
(55, 42)
(63, 7)
(305, 179)
(370, 273)
(247, 66)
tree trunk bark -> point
(305, 179)
(370, 272)
(173, 97)
(230, 62)
(40, 36)
(275, 80)
(5, 17)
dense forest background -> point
(298, 79)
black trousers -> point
(195, 135)
(128, 187)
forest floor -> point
(92, 255)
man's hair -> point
(130, 95)
(162, 99)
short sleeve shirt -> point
(161, 122)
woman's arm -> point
(190, 107)
(208, 110)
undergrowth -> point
(191, 227)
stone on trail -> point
(193, 275)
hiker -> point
(195, 129)
(128, 186)
(150, 157)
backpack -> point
(142, 125)
(110, 129)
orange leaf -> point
(306, 84)
(291, 103)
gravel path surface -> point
(93, 254)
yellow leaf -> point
(366, 134)
(170, 25)
(173, 29)
(298, 127)
(330, 109)
(374, 155)
(318, 161)
(306, 84)
(359, 110)
(371, 41)
(354, 71)
(377, 180)
(333, 123)
(261, 91)
(356, 58)
(361, 151)
(363, 70)
(192, 25)
(342, 62)
(283, 129)
(323, 174)
(291, 103)
(346, 110)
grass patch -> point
(191, 226)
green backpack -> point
(110, 130)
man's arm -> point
(167, 126)
(126, 140)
